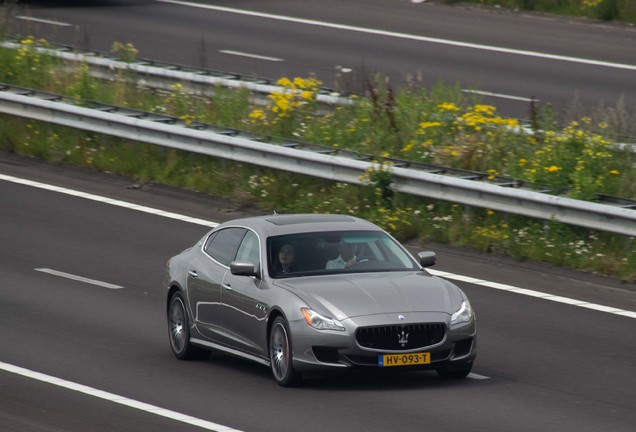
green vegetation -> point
(606, 10)
(438, 125)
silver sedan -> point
(316, 292)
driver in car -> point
(346, 259)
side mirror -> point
(243, 269)
(427, 258)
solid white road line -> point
(500, 96)
(406, 36)
(531, 293)
(468, 279)
(44, 21)
(254, 56)
(111, 397)
(108, 201)
(79, 278)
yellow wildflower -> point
(408, 147)
(284, 82)
(257, 115)
(591, 3)
(426, 125)
(448, 106)
(484, 109)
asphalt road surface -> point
(84, 346)
(509, 58)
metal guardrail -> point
(162, 75)
(317, 161)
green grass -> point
(437, 125)
(605, 10)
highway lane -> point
(401, 39)
(549, 366)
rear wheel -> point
(179, 331)
(280, 355)
(455, 371)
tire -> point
(179, 331)
(281, 355)
(452, 371)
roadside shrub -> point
(435, 126)
(606, 10)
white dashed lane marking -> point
(79, 278)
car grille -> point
(401, 337)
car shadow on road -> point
(351, 380)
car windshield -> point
(332, 252)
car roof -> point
(280, 224)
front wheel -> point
(280, 355)
(179, 331)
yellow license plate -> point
(404, 359)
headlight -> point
(463, 315)
(319, 322)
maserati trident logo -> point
(403, 338)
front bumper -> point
(324, 350)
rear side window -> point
(222, 245)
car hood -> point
(351, 295)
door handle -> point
(193, 273)
(227, 287)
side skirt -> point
(229, 351)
